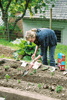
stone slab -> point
(16, 94)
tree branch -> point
(1, 6)
(8, 5)
(27, 2)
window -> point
(58, 34)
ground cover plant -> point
(26, 49)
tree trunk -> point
(6, 31)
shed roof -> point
(58, 12)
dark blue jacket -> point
(45, 37)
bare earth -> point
(30, 82)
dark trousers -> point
(51, 56)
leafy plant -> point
(6, 67)
(31, 74)
(28, 83)
(18, 81)
(59, 88)
(34, 71)
(19, 69)
(7, 77)
(39, 85)
(52, 73)
(26, 49)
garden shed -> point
(59, 21)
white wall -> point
(56, 25)
(1, 21)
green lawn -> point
(63, 49)
(59, 48)
(7, 43)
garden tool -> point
(25, 72)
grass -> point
(59, 48)
(63, 49)
(7, 43)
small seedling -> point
(19, 69)
(45, 86)
(12, 74)
(52, 73)
(31, 74)
(51, 88)
(43, 83)
(18, 59)
(39, 85)
(6, 67)
(34, 71)
(18, 81)
(28, 83)
(7, 77)
(32, 84)
(59, 88)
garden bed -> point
(32, 82)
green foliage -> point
(39, 85)
(7, 77)
(26, 49)
(18, 81)
(6, 67)
(31, 74)
(28, 83)
(34, 71)
(19, 69)
(59, 88)
(52, 73)
(63, 49)
(2, 28)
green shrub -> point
(26, 49)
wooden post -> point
(50, 18)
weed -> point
(28, 83)
(18, 81)
(52, 73)
(6, 67)
(34, 71)
(19, 69)
(59, 88)
(31, 74)
(39, 85)
(7, 77)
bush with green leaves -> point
(11, 34)
(26, 49)
(2, 28)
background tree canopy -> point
(14, 6)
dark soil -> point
(30, 82)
